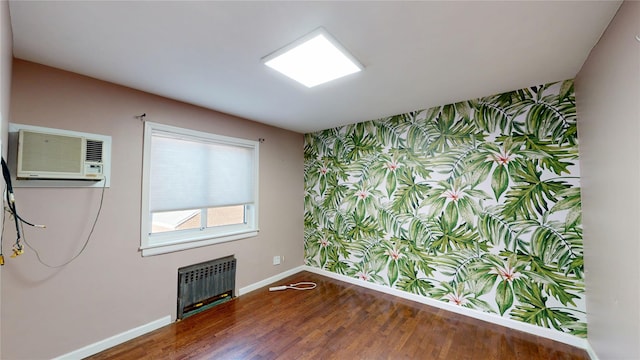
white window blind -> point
(189, 172)
(198, 189)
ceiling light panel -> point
(313, 59)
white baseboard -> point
(591, 352)
(101, 345)
(492, 318)
(270, 280)
(115, 340)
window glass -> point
(226, 215)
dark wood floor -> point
(336, 320)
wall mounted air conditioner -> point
(43, 155)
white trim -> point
(591, 352)
(269, 281)
(115, 340)
(101, 345)
(191, 244)
(162, 243)
(492, 318)
(528, 328)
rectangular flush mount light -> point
(313, 59)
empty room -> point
(320, 179)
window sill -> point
(157, 249)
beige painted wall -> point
(110, 288)
(6, 57)
(608, 95)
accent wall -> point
(475, 203)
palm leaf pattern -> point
(475, 203)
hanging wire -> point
(86, 242)
(11, 205)
(19, 222)
(1, 237)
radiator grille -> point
(205, 284)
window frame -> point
(170, 241)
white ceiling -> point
(416, 54)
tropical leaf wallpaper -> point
(475, 203)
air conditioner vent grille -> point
(94, 151)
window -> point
(198, 189)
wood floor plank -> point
(336, 320)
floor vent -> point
(203, 285)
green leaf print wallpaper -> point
(475, 203)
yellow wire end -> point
(17, 252)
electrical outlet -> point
(276, 260)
